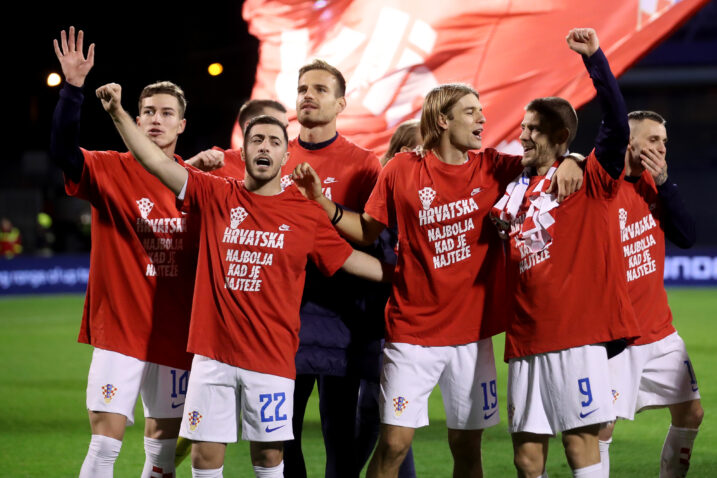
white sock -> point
(605, 456)
(592, 471)
(101, 456)
(159, 461)
(544, 475)
(676, 452)
(273, 472)
(213, 473)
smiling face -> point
(317, 100)
(264, 152)
(160, 119)
(463, 125)
(539, 148)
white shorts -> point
(465, 373)
(652, 375)
(557, 391)
(115, 380)
(220, 393)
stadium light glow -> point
(53, 79)
(215, 69)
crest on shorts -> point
(399, 405)
(194, 418)
(623, 218)
(615, 395)
(426, 195)
(108, 392)
(238, 214)
(145, 206)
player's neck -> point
(169, 150)
(449, 154)
(271, 187)
(318, 134)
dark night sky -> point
(135, 46)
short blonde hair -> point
(439, 101)
(167, 88)
(319, 64)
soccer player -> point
(255, 240)
(214, 159)
(143, 262)
(338, 341)
(566, 271)
(448, 296)
(338, 346)
(655, 371)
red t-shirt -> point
(348, 172)
(252, 253)
(573, 292)
(449, 286)
(142, 263)
(642, 238)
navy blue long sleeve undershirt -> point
(614, 133)
(65, 133)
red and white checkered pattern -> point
(426, 195)
(623, 218)
(238, 215)
(286, 181)
(145, 206)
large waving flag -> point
(392, 52)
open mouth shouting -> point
(262, 162)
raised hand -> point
(111, 97)
(308, 182)
(654, 161)
(583, 41)
(74, 65)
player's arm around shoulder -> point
(359, 228)
(147, 153)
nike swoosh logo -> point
(176, 405)
(269, 430)
(583, 415)
(695, 388)
(486, 416)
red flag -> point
(392, 52)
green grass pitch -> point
(44, 431)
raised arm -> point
(614, 133)
(358, 228)
(147, 153)
(64, 135)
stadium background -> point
(43, 430)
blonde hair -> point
(439, 101)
